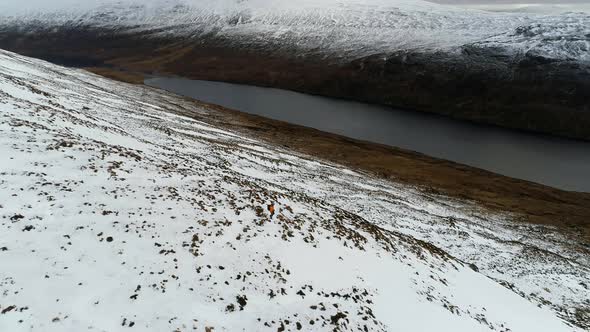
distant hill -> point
(520, 70)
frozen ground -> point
(336, 28)
(119, 211)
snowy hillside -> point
(119, 210)
(343, 28)
(538, 8)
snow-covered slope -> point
(343, 28)
(122, 208)
(538, 8)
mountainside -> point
(549, 8)
(346, 29)
(121, 207)
(519, 70)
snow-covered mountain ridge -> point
(122, 208)
(344, 28)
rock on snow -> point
(121, 208)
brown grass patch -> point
(531, 202)
(118, 75)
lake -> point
(556, 162)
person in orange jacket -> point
(271, 209)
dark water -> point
(556, 162)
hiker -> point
(271, 209)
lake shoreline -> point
(547, 160)
(526, 201)
(529, 202)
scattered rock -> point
(334, 319)
(16, 217)
(8, 309)
(242, 301)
